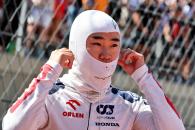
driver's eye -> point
(96, 44)
(114, 45)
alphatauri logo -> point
(73, 104)
(105, 109)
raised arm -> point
(160, 114)
(29, 112)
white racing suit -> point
(50, 105)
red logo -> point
(72, 104)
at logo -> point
(105, 109)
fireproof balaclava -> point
(88, 73)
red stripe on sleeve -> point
(44, 71)
(26, 93)
(167, 99)
(172, 106)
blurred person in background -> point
(114, 9)
(73, 10)
(1, 19)
(187, 47)
(191, 13)
(38, 24)
(9, 23)
(101, 5)
(1, 11)
(60, 11)
(173, 39)
(140, 19)
(84, 99)
(59, 19)
(124, 14)
(133, 5)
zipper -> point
(89, 115)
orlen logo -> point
(73, 104)
(105, 109)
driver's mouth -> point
(102, 78)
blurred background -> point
(162, 30)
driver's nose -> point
(105, 56)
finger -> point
(63, 49)
(68, 64)
(133, 57)
(125, 53)
(68, 61)
(130, 59)
(71, 63)
(121, 63)
(122, 53)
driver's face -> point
(104, 46)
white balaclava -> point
(87, 73)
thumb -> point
(120, 63)
(67, 64)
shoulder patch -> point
(126, 95)
(114, 90)
(56, 86)
(129, 96)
